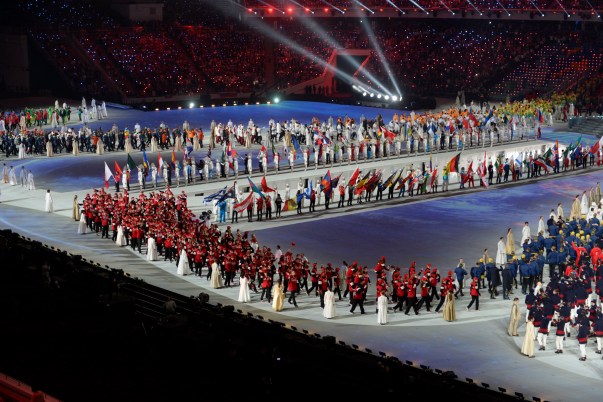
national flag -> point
(430, 162)
(540, 161)
(596, 146)
(308, 191)
(540, 116)
(453, 165)
(242, 206)
(145, 162)
(108, 175)
(335, 182)
(255, 189)
(265, 187)
(159, 161)
(488, 117)
(118, 171)
(362, 182)
(296, 147)
(173, 157)
(290, 205)
(388, 134)
(354, 177)
(473, 119)
(469, 173)
(131, 163)
(391, 179)
(325, 183)
(369, 183)
(556, 148)
(230, 193)
(263, 149)
(434, 176)
(217, 195)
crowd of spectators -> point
(425, 57)
(559, 63)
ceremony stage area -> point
(434, 228)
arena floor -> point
(437, 229)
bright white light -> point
(364, 94)
(191, 105)
(379, 96)
(372, 95)
(394, 98)
(276, 100)
(386, 97)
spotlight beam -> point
(471, 4)
(419, 6)
(591, 6)
(395, 6)
(536, 7)
(371, 36)
(363, 6)
(312, 25)
(277, 36)
(302, 6)
(270, 5)
(563, 8)
(331, 5)
(503, 7)
(447, 8)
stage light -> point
(326, 10)
(144, 107)
(386, 97)
(290, 9)
(276, 100)
(168, 108)
(246, 103)
(250, 10)
(213, 105)
(372, 95)
(179, 107)
(191, 105)
(201, 106)
(394, 98)
(379, 96)
(257, 103)
(270, 10)
(268, 102)
(156, 109)
(364, 94)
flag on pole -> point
(388, 134)
(242, 206)
(543, 164)
(131, 163)
(354, 177)
(265, 187)
(453, 165)
(230, 193)
(173, 157)
(145, 162)
(391, 179)
(108, 175)
(296, 147)
(325, 183)
(596, 146)
(290, 205)
(255, 189)
(159, 161)
(118, 171)
(434, 177)
(217, 195)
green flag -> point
(131, 163)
